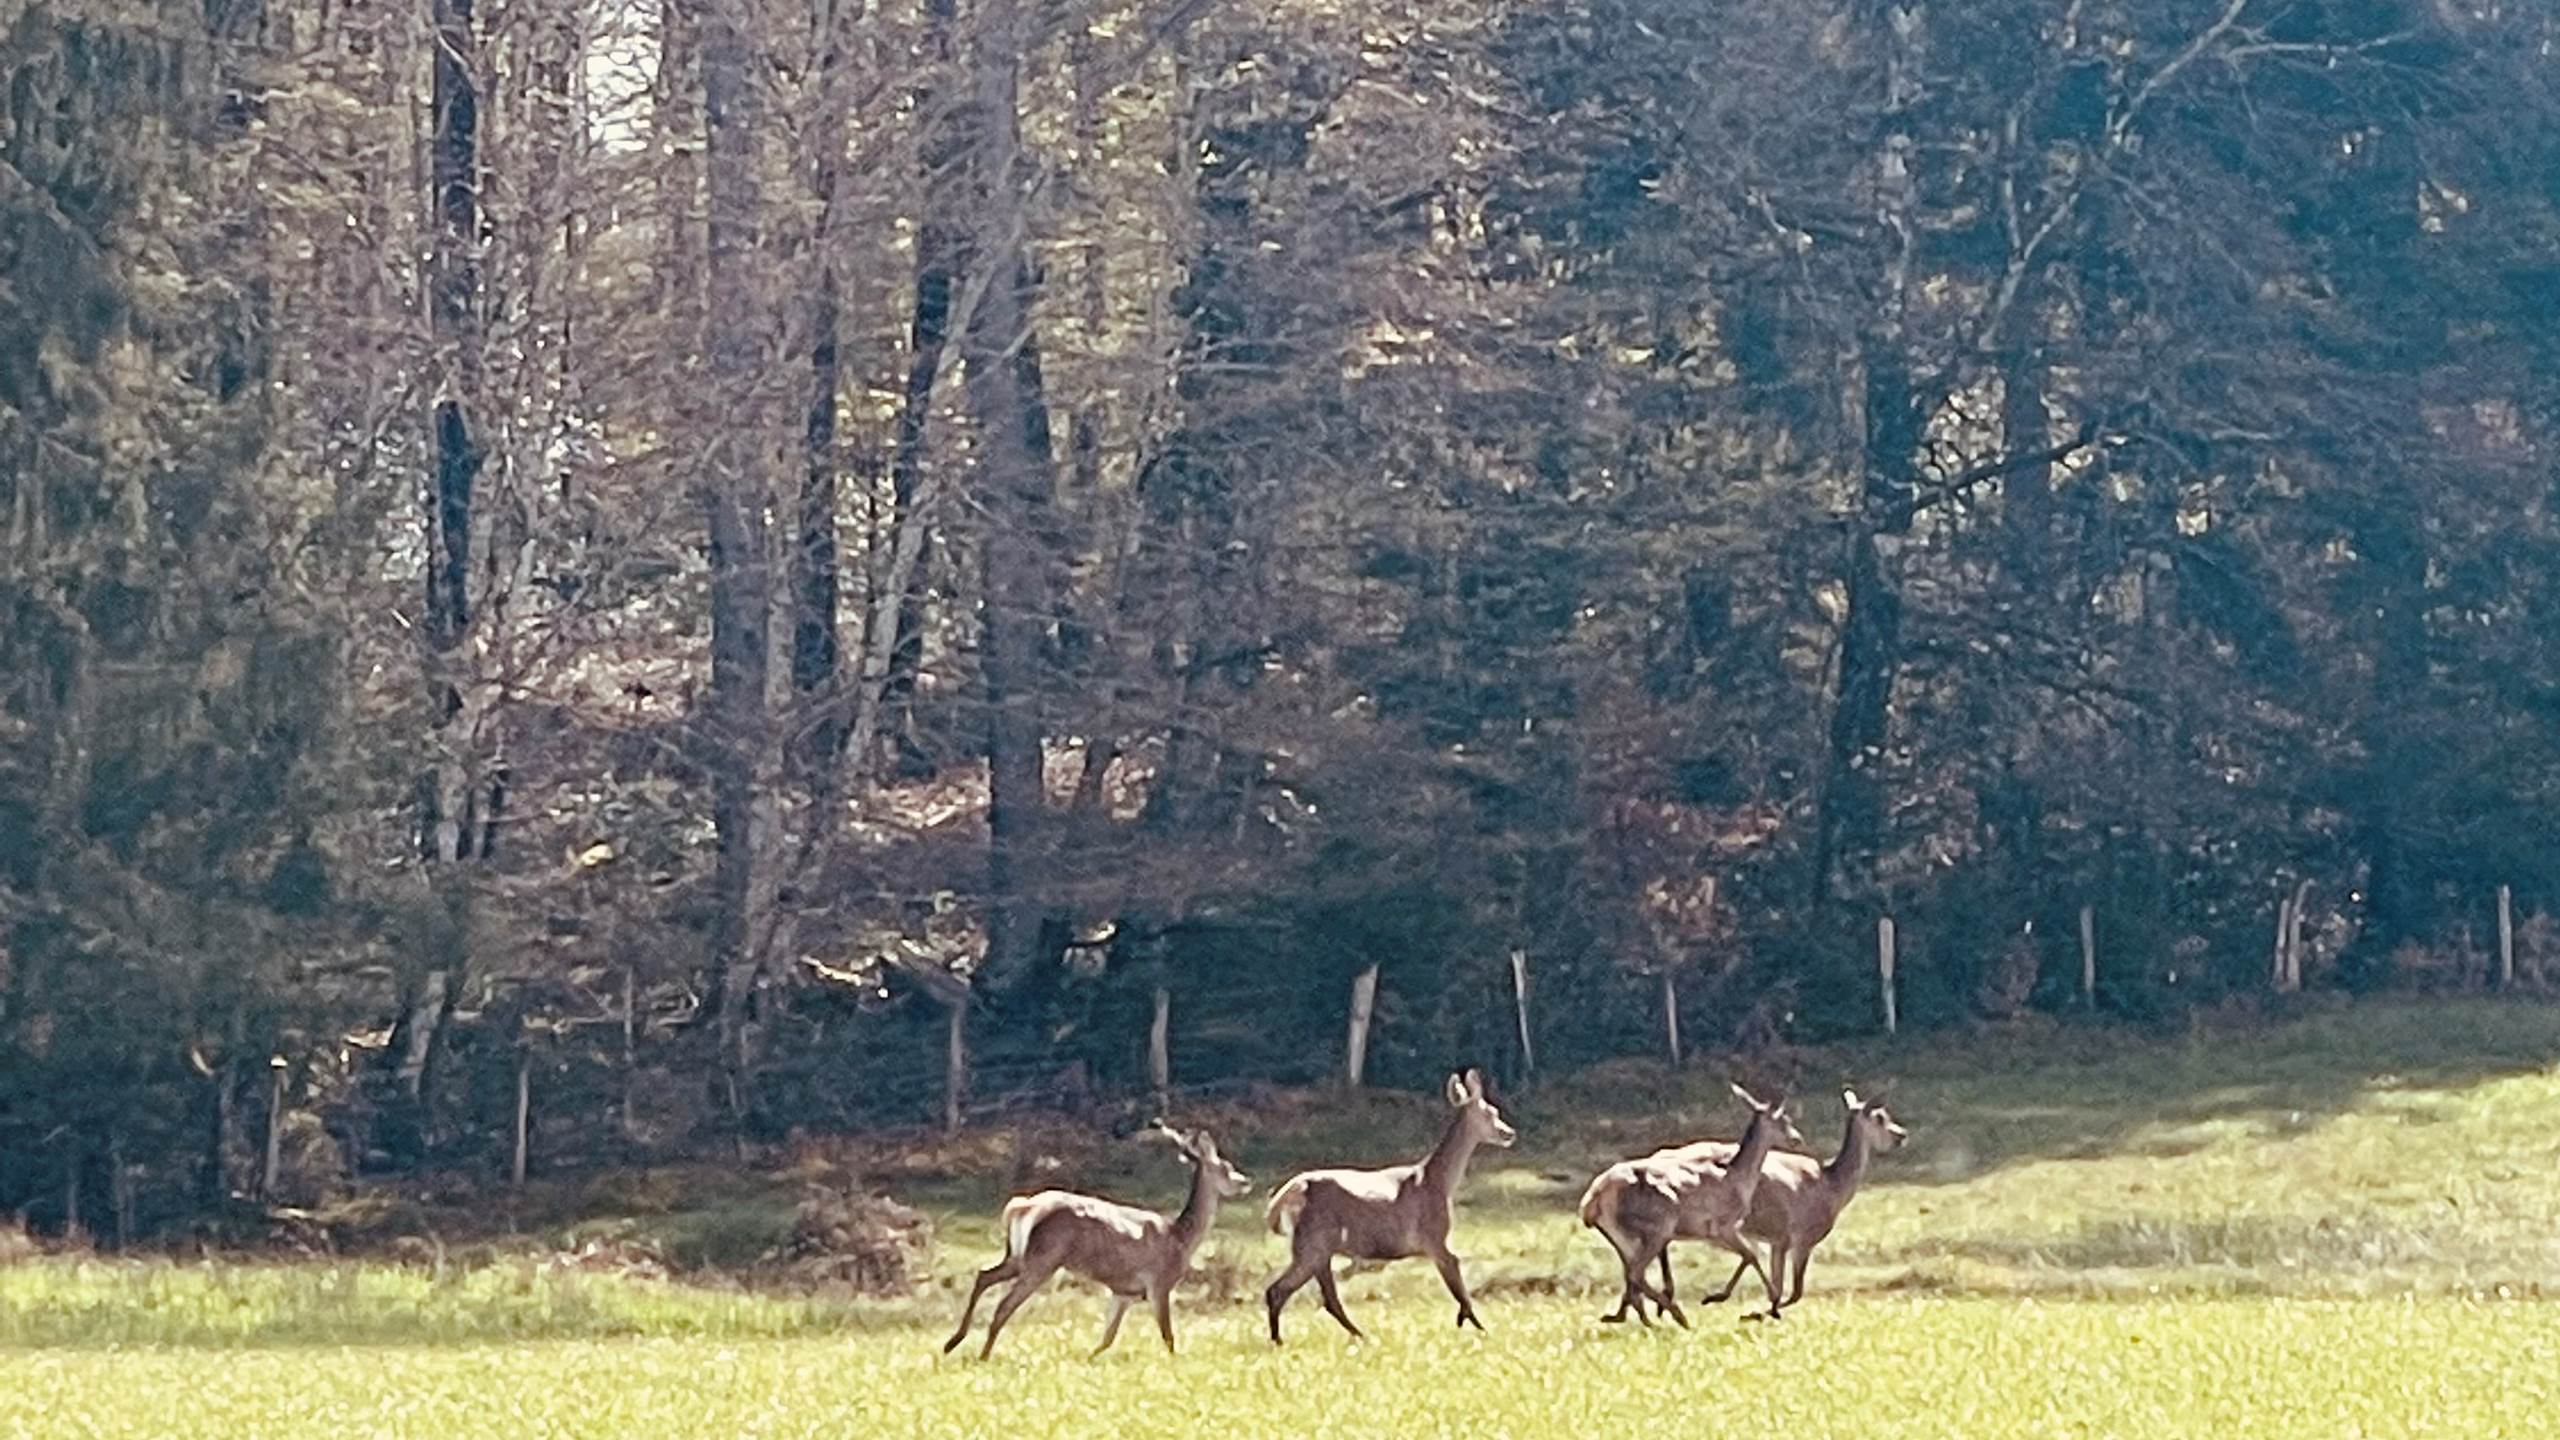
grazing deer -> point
(1383, 1214)
(1639, 1206)
(1800, 1199)
(1128, 1251)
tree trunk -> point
(2027, 503)
(1011, 411)
(737, 493)
(449, 826)
(942, 256)
(1849, 815)
(815, 649)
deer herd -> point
(1757, 1190)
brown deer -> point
(1800, 1199)
(1128, 1251)
(1639, 1206)
(1386, 1214)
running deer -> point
(1639, 1206)
(1128, 1251)
(1386, 1214)
(1800, 1199)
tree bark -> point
(1011, 412)
(1849, 816)
(737, 491)
(942, 256)
(816, 583)
(450, 825)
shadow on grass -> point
(1984, 1101)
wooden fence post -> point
(955, 1064)
(2506, 937)
(1884, 971)
(1160, 1046)
(1671, 1013)
(1520, 1008)
(630, 1050)
(272, 1171)
(1364, 1000)
(524, 1112)
(2293, 937)
(2089, 956)
(120, 1189)
(2285, 980)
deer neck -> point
(1199, 1212)
(1446, 1166)
(1849, 1166)
(1758, 1138)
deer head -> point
(1202, 1152)
(1773, 1111)
(1874, 1123)
(1482, 1122)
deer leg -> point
(1768, 1281)
(1661, 1298)
(1627, 1287)
(1796, 1292)
(1111, 1327)
(1004, 1269)
(1731, 1281)
(1457, 1283)
(1033, 1277)
(1302, 1268)
(1332, 1294)
(1163, 1298)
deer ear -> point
(1849, 1098)
(1475, 1083)
(1457, 1090)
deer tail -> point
(1021, 1214)
(1282, 1213)
(1600, 1201)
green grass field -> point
(2348, 1224)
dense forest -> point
(598, 579)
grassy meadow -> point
(2347, 1223)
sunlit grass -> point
(2337, 1226)
(1879, 1367)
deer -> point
(1800, 1199)
(1639, 1206)
(1128, 1251)
(1390, 1214)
